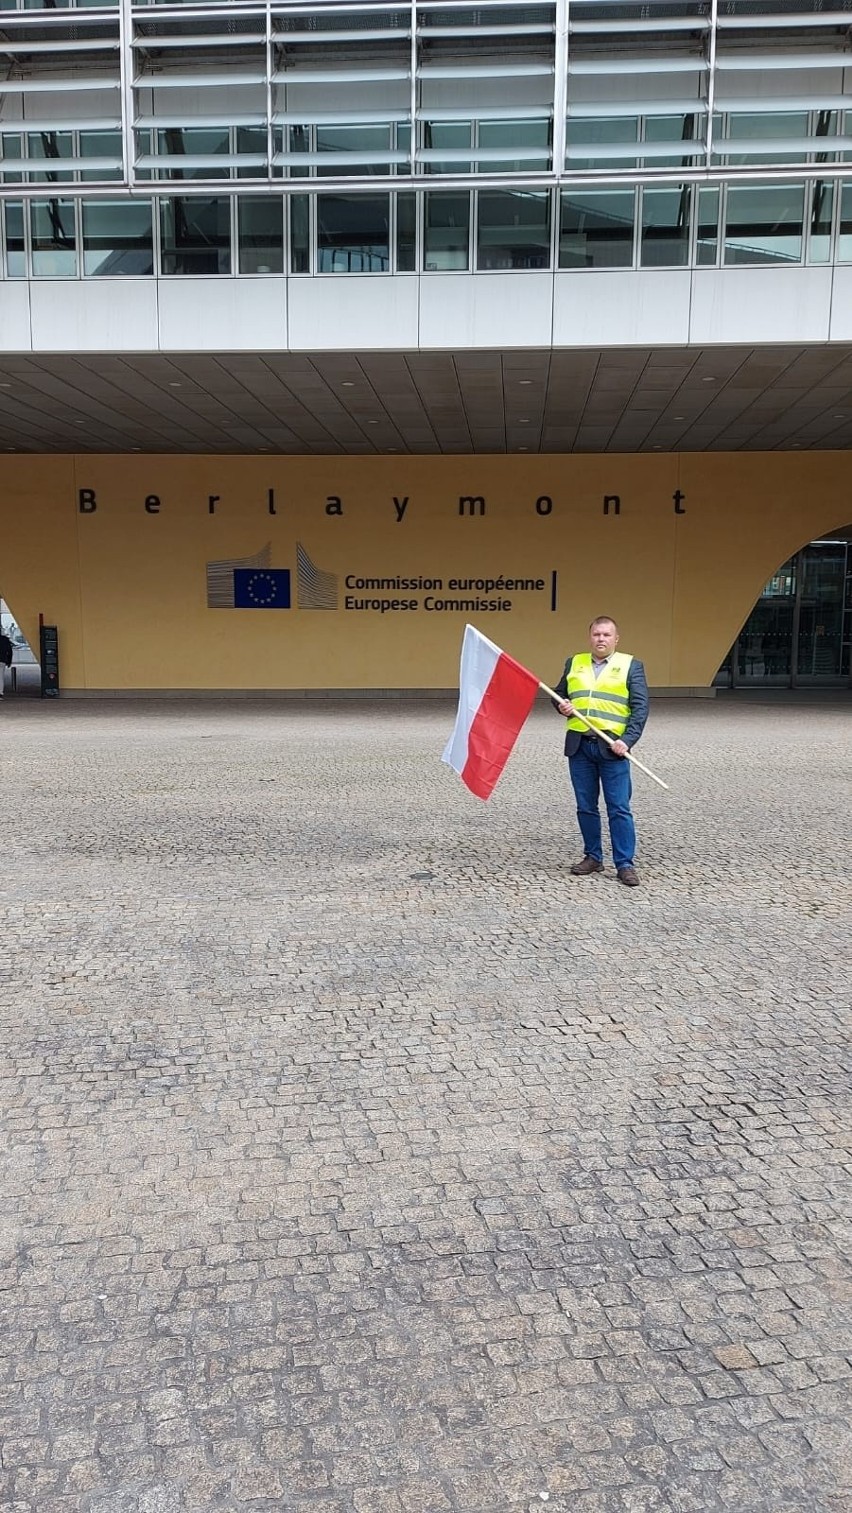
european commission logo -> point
(252, 583)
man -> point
(6, 650)
(610, 689)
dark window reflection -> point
(514, 230)
(196, 236)
(353, 233)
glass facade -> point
(514, 135)
(800, 631)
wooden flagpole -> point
(604, 737)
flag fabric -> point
(262, 588)
(495, 696)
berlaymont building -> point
(328, 327)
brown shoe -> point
(586, 866)
(627, 876)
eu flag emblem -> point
(261, 588)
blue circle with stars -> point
(261, 589)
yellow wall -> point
(128, 588)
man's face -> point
(603, 639)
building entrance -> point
(800, 629)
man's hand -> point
(618, 748)
(566, 708)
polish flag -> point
(495, 696)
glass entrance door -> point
(820, 639)
(764, 649)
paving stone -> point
(355, 1158)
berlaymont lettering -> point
(468, 506)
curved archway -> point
(798, 632)
(22, 675)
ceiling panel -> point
(429, 402)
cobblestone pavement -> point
(357, 1159)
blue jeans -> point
(590, 771)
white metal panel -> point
(459, 311)
(506, 93)
(840, 328)
(15, 333)
(621, 308)
(370, 312)
(94, 315)
(222, 314)
(781, 89)
(314, 99)
(760, 305)
(89, 109)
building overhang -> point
(749, 398)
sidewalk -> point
(355, 1158)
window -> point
(261, 235)
(16, 254)
(403, 144)
(105, 148)
(514, 229)
(406, 233)
(596, 229)
(665, 227)
(196, 236)
(447, 232)
(353, 233)
(50, 147)
(506, 135)
(844, 240)
(441, 136)
(681, 132)
(756, 131)
(364, 143)
(582, 136)
(251, 144)
(763, 223)
(300, 233)
(822, 203)
(707, 231)
(193, 143)
(10, 159)
(298, 139)
(117, 238)
(54, 240)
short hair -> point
(603, 620)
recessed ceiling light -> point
(709, 380)
(347, 383)
(523, 421)
(135, 449)
(174, 385)
(657, 447)
(680, 417)
(523, 449)
(841, 416)
(524, 380)
(5, 386)
(372, 422)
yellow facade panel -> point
(270, 573)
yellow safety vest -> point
(603, 699)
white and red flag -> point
(495, 696)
